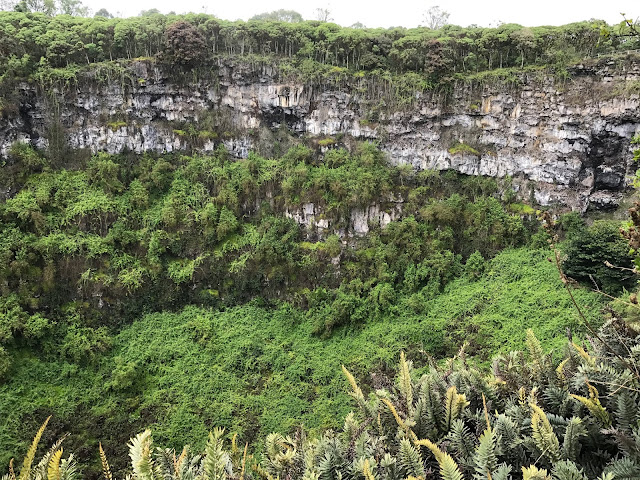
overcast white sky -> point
(388, 13)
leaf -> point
(543, 434)
(594, 406)
(53, 470)
(449, 469)
(31, 453)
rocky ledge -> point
(564, 143)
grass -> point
(255, 370)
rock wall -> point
(564, 143)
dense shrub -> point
(599, 256)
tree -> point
(48, 7)
(323, 15)
(290, 16)
(103, 12)
(149, 13)
(436, 18)
(185, 44)
(72, 7)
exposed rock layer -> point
(564, 143)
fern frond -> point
(626, 412)
(460, 438)
(449, 469)
(357, 392)
(140, 454)
(594, 406)
(428, 412)
(560, 370)
(485, 459)
(401, 423)
(623, 469)
(106, 470)
(404, 380)
(533, 473)
(502, 472)
(53, 470)
(244, 460)
(410, 460)
(69, 469)
(543, 435)
(31, 453)
(455, 403)
(366, 470)
(571, 445)
(215, 460)
(567, 470)
(540, 364)
(584, 355)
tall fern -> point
(543, 435)
(485, 459)
(140, 454)
(449, 469)
(455, 403)
(25, 472)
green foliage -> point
(420, 58)
(505, 422)
(463, 148)
(173, 292)
(599, 255)
(253, 369)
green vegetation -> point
(180, 292)
(254, 370)
(463, 148)
(532, 418)
(38, 46)
(172, 292)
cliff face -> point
(563, 143)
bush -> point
(590, 252)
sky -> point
(389, 13)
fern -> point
(543, 435)
(366, 471)
(571, 445)
(455, 403)
(404, 380)
(485, 459)
(410, 460)
(502, 472)
(356, 391)
(626, 411)
(539, 361)
(429, 411)
(25, 472)
(53, 470)
(623, 469)
(216, 460)
(140, 454)
(106, 470)
(594, 406)
(534, 473)
(460, 438)
(566, 470)
(401, 423)
(449, 469)
(69, 469)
